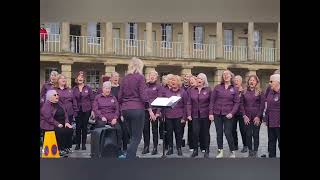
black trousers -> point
(125, 134)
(146, 131)
(117, 126)
(135, 119)
(252, 132)
(183, 125)
(202, 138)
(239, 118)
(224, 124)
(273, 136)
(82, 126)
(190, 135)
(174, 125)
(201, 125)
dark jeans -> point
(190, 135)
(236, 119)
(100, 123)
(135, 119)
(146, 131)
(273, 136)
(174, 125)
(200, 125)
(202, 138)
(182, 128)
(125, 134)
(82, 127)
(224, 124)
(252, 131)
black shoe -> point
(170, 151)
(206, 154)
(77, 147)
(195, 153)
(183, 143)
(250, 153)
(245, 149)
(263, 156)
(84, 147)
(62, 153)
(145, 150)
(236, 148)
(179, 151)
(154, 151)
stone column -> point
(108, 38)
(149, 39)
(186, 45)
(250, 41)
(66, 70)
(217, 75)
(186, 70)
(219, 35)
(109, 68)
(251, 71)
(65, 37)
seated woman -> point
(53, 117)
(106, 110)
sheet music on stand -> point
(166, 102)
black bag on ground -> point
(104, 143)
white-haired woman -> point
(47, 86)
(106, 109)
(273, 114)
(238, 117)
(153, 90)
(224, 104)
(252, 107)
(198, 113)
(133, 100)
(53, 117)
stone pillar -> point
(149, 39)
(217, 75)
(186, 45)
(219, 35)
(186, 70)
(108, 38)
(251, 71)
(65, 37)
(109, 68)
(66, 70)
(278, 43)
(250, 41)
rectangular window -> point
(94, 32)
(166, 36)
(132, 33)
(198, 34)
(228, 40)
(54, 29)
(93, 79)
(257, 41)
(48, 72)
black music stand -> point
(162, 108)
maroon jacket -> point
(46, 86)
(224, 101)
(67, 99)
(273, 109)
(47, 112)
(179, 110)
(132, 94)
(252, 106)
(153, 91)
(86, 100)
(106, 106)
(198, 103)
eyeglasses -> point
(56, 95)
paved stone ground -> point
(186, 153)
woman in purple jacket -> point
(176, 115)
(133, 100)
(273, 114)
(47, 86)
(84, 97)
(224, 104)
(198, 113)
(252, 107)
(106, 109)
(53, 117)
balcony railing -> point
(129, 47)
(263, 54)
(50, 43)
(167, 49)
(235, 53)
(203, 51)
(86, 44)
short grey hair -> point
(275, 77)
(114, 74)
(204, 78)
(106, 84)
(135, 66)
(50, 93)
(54, 73)
(238, 76)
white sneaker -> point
(191, 150)
(203, 151)
(232, 154)
(220, 153)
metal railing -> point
(129, 47)
(235, 53)
(86, 44)
(263, 54)
(167, 49)
(203, 51)
(49, 43)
